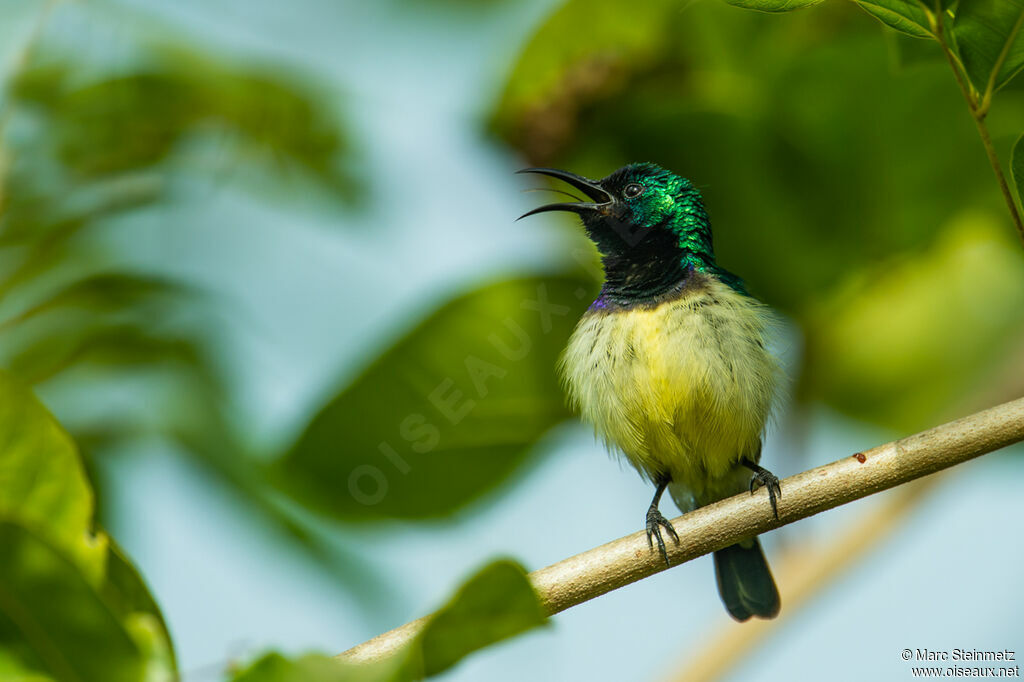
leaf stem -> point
(990, 87)
(978, 105)
(1004, 187)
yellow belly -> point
(684, 388)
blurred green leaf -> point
(773, 5)
(11, 670)
(90, 145)
(990, 35)
(102, 291)
(42, 484)
(798, 211)
(586, 48)
(68, 341)
(747, 101)
(1017, 169)
(34, 211)
(906, 16)
(137, 120)
(90, 149)
(903, 343)
(69, 606)
(496, 603)
(124, 586)
(446, 413)
(54, 619)
(274, 667)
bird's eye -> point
(633, 190)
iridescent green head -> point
(649, 224)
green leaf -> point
(990, 35)
(70, 607)
(66, 341)
(32, 212)
(496, 603)
(125, 587)
(13, 670)
(906, 16)
(448, 412)
(1017, 169)
(104, 292)
(274, 667)
(586, 48)
(42, 483)
(53, 617)
(113, 124)
(774, 5)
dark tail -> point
(745, 582)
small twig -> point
(978, 104)
(1004, 187)
(626, 560)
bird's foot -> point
(655, 522)
(763, 477)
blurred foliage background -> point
(844, 177)
(858, 218)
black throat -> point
(653, 268)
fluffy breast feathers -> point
(684, 387)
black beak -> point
(601, 199)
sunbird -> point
(669, 363)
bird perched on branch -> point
(669, 363)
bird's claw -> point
(763, 477)
(655, 522)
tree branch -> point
(626, 560)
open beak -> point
(601, 199)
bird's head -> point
(637, 213)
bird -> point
(670, 362)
